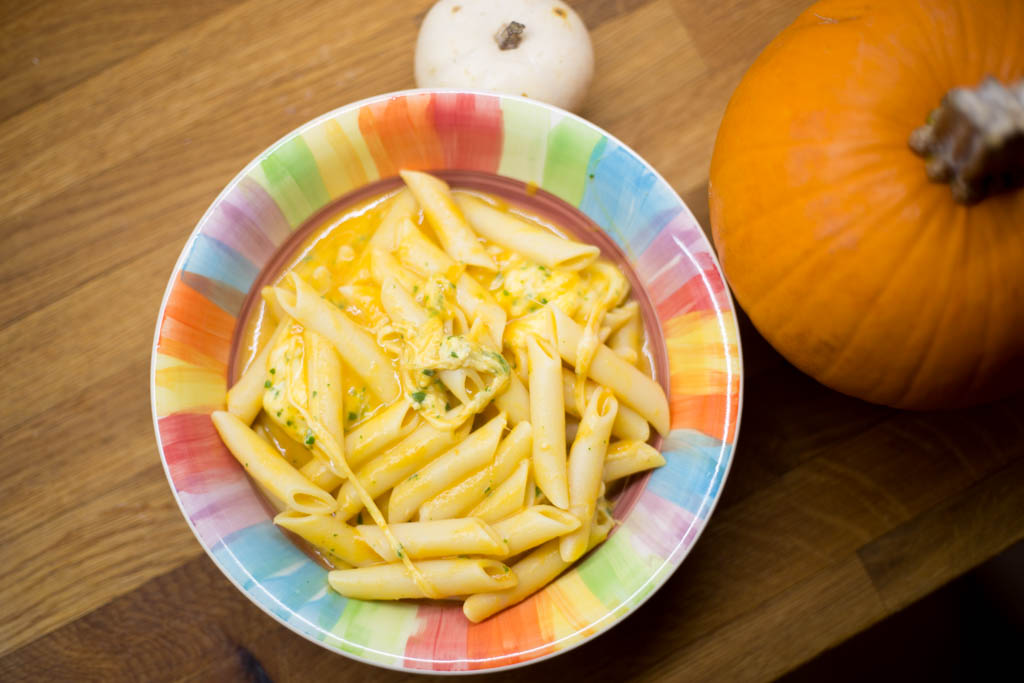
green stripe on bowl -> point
(290, 175)
(615, 573)
(570, 145)
(524, 140)
(376, 630)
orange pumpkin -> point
(853, 264)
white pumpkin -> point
(535, 48)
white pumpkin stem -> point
(509, 37)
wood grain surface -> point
(120, 121)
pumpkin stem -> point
(975, 140)
(509, 37)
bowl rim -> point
(601, 625)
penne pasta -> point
(465, 495)
(336, 540)
(471, 455)
(395, 464)
(586, 461)
(446, 219)
(294, 453)
(355, 345)
(268, 468)
(274, 307)
(632, 387)
(507, 498)
(245, 398)
(384, 266)
(324, 382)
(518, 235)
(627, 341)
(533, 526)
(448, 577)
(397, 355)
(628, 423)
(478, 303)
(399, 305)
(402, 207)
(514, 401)
(547, 414)
(533, 572)
(387, 427)
(418, 253)
(617, 317)
(629, 457)
(321, 474)
(440, 538)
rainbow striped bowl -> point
(523, 140)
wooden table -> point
(120, 121)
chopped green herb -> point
(359, 518)
(273, 370)
(428, 373)
(487, 491)
(505, 292)
(279, 413)
(418, 396)
(289, 423)
(537, 491)
(453, 354)
(415, 288)
(447, 405)
(415, 475)
(310, 440)
(543, 300)
(314, 393)
(352, 417)
(507, 570)
(267, 384)
(534, 307)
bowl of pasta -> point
(447, 381)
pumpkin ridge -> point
(794, 316)
(926, 23)
(944, 311)
(984, 351)
(853, 336)
(815, 193)
(915, 375)
(819, 249)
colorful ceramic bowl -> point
(329, 159)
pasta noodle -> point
(269, 468)
(470, 491)
(547, 414)
(449, 577)
(441, 538)
(629, 457)
(586, 461)
(464, 458)
(432, 355)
